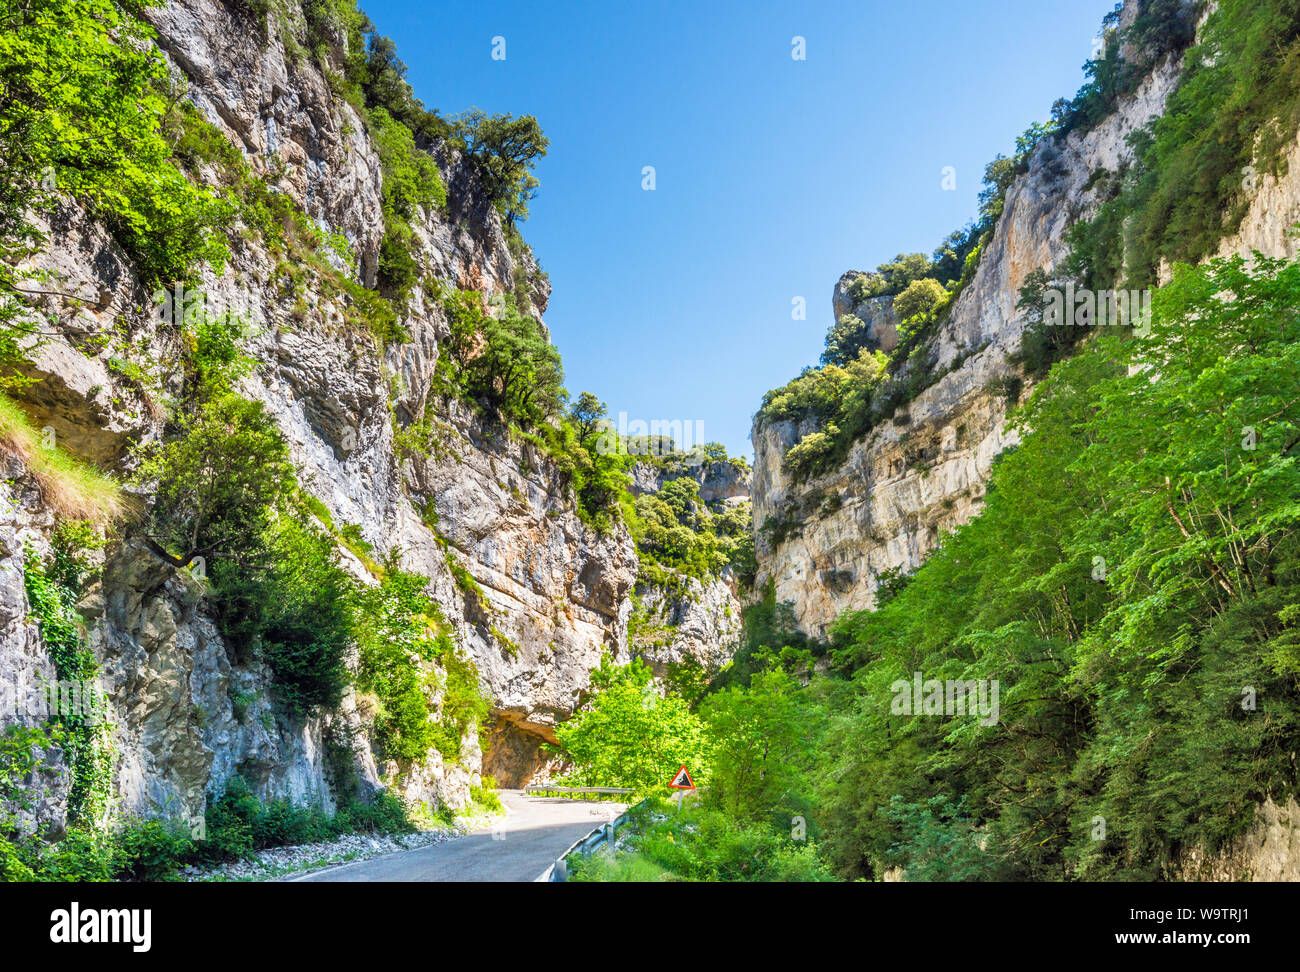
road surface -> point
(534, 832)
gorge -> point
(293, 488)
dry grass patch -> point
(74, 489)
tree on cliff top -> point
(504, 150)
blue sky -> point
(773, 176)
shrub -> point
(919, 299)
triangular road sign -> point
(682, 781)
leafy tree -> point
(504, 150)
(998, 176)
(410, 664)
(218, 485)
(297, 610)
(919, 299)
(629, 735)
(764, 746)
(506, 363)
(586, 414)
(845, 340)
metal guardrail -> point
(599, 790)
(558, 872)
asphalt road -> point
(534, 832)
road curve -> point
(535, 831)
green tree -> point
(764, 739)
(504, 150)
(845, 340)
(919, 299)
(586, 414)
(218, 485)
(427, 691)
(629, 735)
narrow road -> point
(534, 832)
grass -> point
(73, 489)
(629, 867)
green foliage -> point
(20, 763)
(503, 150)
(1042, 344)
(411, 183)
(1224, 128)
(219, 483)
(370, 73)
(503, 363)
(938, 842)
(770, 639)
(301, 610)
(813, 451)
(845, 340)
(83, 95)
(1161, 27)
(845, 401)
(919, 299)
(225, 491)
(484, 797)
(764, 746)
(1125, 585)
(629, 735)
(239, 824)
(411, 665)
(674, 529)
(702, 844)
(85, 737)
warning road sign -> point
(682, 781)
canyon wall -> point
(552, 593)
(911, 480)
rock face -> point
(554, 593)
(911, 480)
(727, 481)
(692, 620)
(699, 623)
(1269, 851)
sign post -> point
(681, 782)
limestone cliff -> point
(689, 619)
(552, 593)
(917, 477)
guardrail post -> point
(561, 872)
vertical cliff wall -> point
(915, 478)
(549, 595)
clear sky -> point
(773, 176)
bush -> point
(628, 735)
(919, 299)
(150, 849)
(699, 844)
